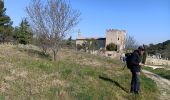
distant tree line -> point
(162, 48)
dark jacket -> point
(135, 60)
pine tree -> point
(22, 33)
(69, 41)
(5, 24)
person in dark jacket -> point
(135, 69)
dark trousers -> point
(135, 82)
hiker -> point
(135, 69)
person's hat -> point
(141, 48)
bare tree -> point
(52, 20)
(131, 43)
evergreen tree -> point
(22, 33)
(69, 41)
(5, 24)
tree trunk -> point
(54, 55)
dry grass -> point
(27, 74)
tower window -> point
(118, 38)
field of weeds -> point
(26, 73)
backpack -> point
(128, 57)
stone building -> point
(117, 37)
(112, 36)
(100, 41)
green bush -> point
(111, 47)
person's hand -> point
(141, 64)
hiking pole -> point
(124, 67)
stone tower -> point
(117, 37)
(79, 34)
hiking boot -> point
(136, 92)
(131, 91)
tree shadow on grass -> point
(114, 82)
(33, 52)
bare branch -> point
(131, 43)
(52, 20)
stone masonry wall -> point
(154, 61)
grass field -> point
(26, 73)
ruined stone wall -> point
(155, 61)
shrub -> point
(111, 47)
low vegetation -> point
(26, 73)
(111, 47)
(160, 71)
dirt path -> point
(154, 67)
(162, 83)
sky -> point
(148, 21)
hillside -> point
(28, 74)
(162, 48)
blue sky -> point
(148, 21)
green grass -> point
(160, 71)
(25, 76)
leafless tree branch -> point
(52, 20)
